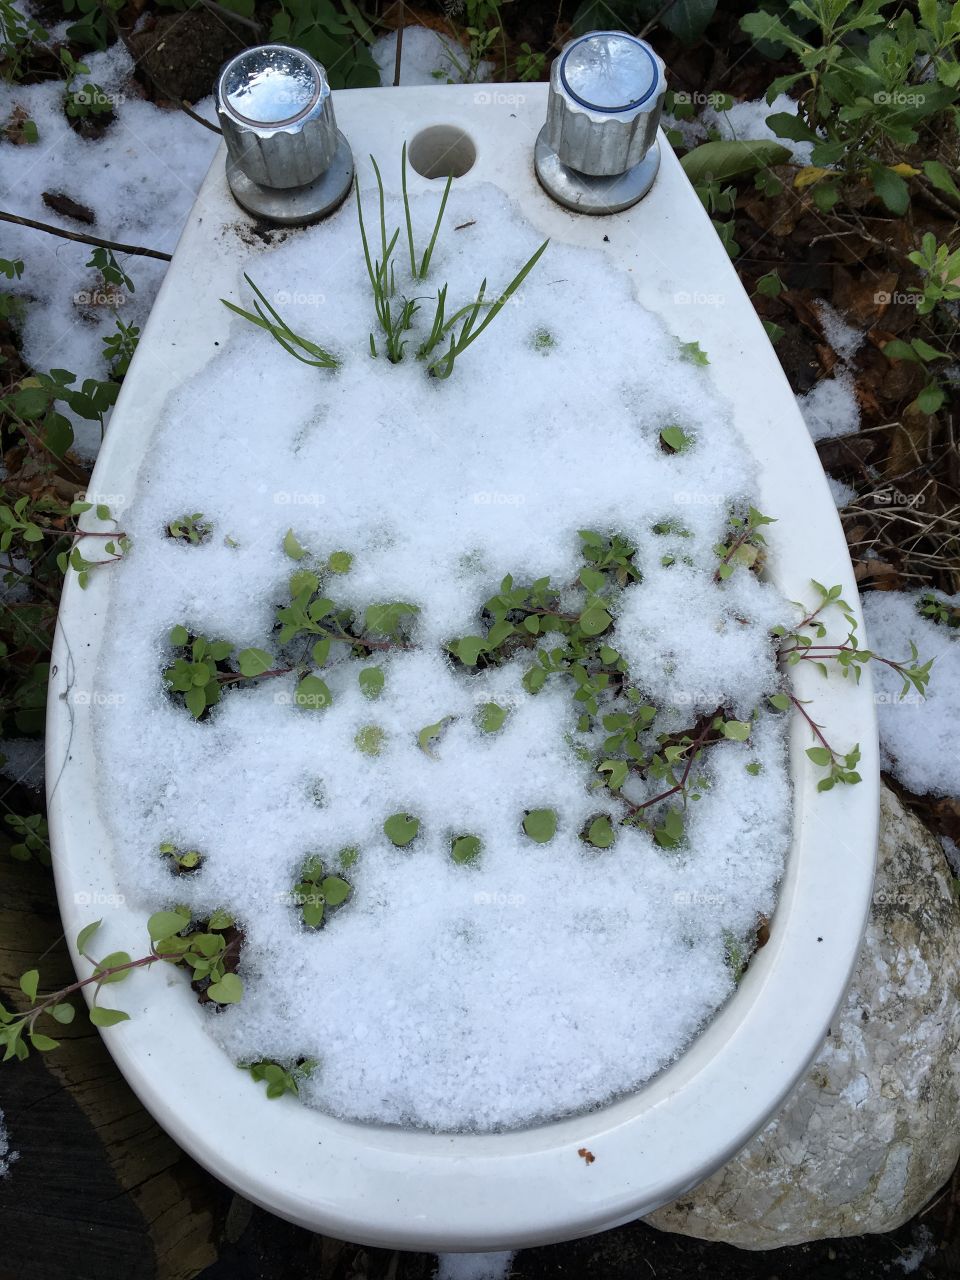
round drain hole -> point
(442, 151)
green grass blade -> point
(507, 294)
(425, 264)
(406, 210)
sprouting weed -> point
(183, 861)
(209, 950)
(279, 1079)
(119, 347)
(190, 528)
(317, 892)
(31, 838)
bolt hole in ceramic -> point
(415, 1189)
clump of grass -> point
(442, 366)
(395, 323)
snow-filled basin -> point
(487, 1191)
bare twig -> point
(135, 249)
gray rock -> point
(871, 1132)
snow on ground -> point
(830, 408)
(845, 339)
(21, 760)
(918, 737)
(7, 1156)
(843, 494)
(426, 57)
(474, 1266)
(748, 120)
(924, 1247)
(543, 979)
(140, 179)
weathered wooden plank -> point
(99, 1191)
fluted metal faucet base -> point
(296, 206)
(584, 193)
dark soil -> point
(178, 55)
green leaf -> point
(930, 398)
(43, 1043)
(540, 825)
(254, 662)
(369, 740)
(303, 582)
(292, 547)
(819, 755)
(401, 828)
(340, 562)
(736, 730)
(229, 990)
(196, 700)
(693, 352)
(670, 834)
(770, 285)
(939, 176)
(593, 579)
(335, 890)
(101, 1017)
(492, 717)
(86, 933)
(465, 849)
(687, 19)
(371, 682)
(115, 960)
(431, 731)
(787, 125)
(594, 619)
(721, 161)
(63, 1013)
(601, 833)
(780, 701)
(312, 692)
(676, 440)
(164, 924)
(469, 649)
(28, 984)
(897, 349)
(534, 679)
(891, 189)
(179, 636)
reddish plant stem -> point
(813, 725)
(735, 546)
(694, 749)
(809, 650)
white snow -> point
(544, 979)
(845, 339)
(426, 57)
(748, 120)
(918, 736)
(140, 179)
(830, 407)
(924, 1246)
(843, 494)
(21, 760)
(952, 853)
(7, 1157)
(474, 1266)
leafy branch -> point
(208, 954)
